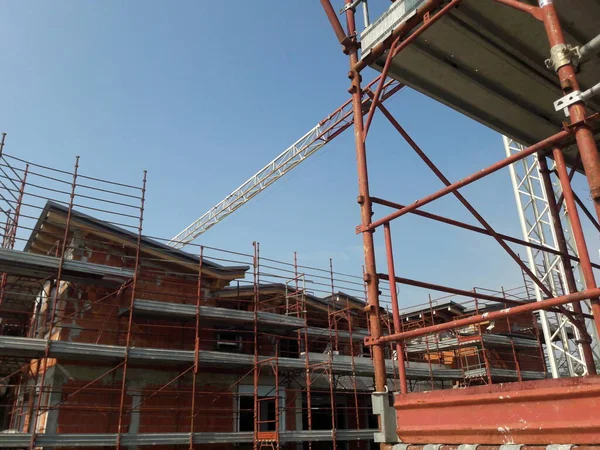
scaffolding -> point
(110, 338)
(481, 60)
(536, 196)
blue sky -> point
(203, 94)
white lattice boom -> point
(563, 350)
(298, 152)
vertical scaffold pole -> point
(256, 372)
(395, 308)
(366, 206)
(136, 271)
(565, 70)
(584, 346)
(584, 257)
(196, 348)
(55, 298)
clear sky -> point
(202, 94)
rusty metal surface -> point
(484, 35)
(485, 447)
(544, 412)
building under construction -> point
(111, 338)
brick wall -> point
(169, 410)
(94, 409)
(94, 314)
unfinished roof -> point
(54, 216)
(281, 291)
(486, 60)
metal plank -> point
(48, 440)
(28, 348)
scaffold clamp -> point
(566, 101)
(348, 6)
(561, 55)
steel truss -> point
(322, 133)
(530, 186)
